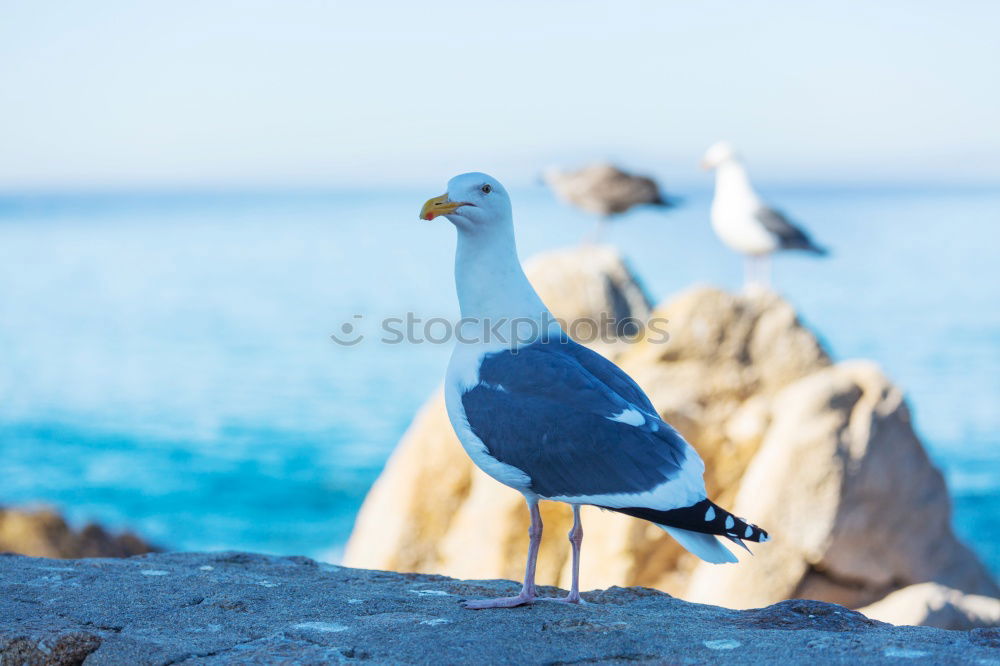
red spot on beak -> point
(430, 216)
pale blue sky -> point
(293, 92)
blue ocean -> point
(166, 362)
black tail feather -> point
(705, 517)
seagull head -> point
(718, 154)
(473, 201)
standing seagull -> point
(551, 418)
(744, 222)
(605, 190)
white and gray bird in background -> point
(605, 190)
(744, 222)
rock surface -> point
(44, 533)
(823, 456)
(240, 608)
(934, 605)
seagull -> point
(552, 419)
(605, 190)
(743, 222)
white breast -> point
(463, 374)
(734, 209)
(735, 224)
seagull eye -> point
(486, 188)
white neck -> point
(731, 177)
(488, 276)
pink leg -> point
(575, 540)
(527, 594)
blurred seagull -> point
(551, 418)
(605, 190)
(744, 222)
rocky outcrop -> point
(592, 290)
(824, 456)
(223, 608)
(44, 533)
(859, 510)
(934, 605)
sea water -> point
(166, 362)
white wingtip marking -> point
(710, 514)
(749, 532)
(632, 417)
(730, 523)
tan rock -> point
(713, 379)
(823, 456)
(44, 533)
(934, 605)
(855, 507)
(592, 290)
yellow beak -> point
(441, 205)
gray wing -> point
(573, 430)
(790, 237)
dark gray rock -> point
(240, 608)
